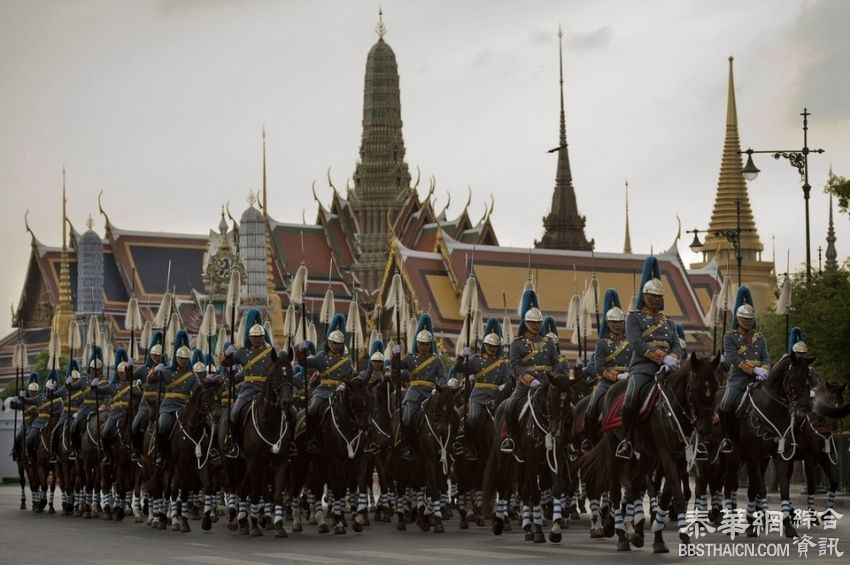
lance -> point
(297, 291)
(55, 350)
(395, 301)
(94, 335)
(725, 289)
(164, 316)
(353, 325)
(73, 340)
(20, 369)
(133, 322)
(468, 309)
(233, 294)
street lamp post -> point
(799, 159)
(732, 236)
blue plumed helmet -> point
(253, 318)
(650, 281)
(53, 375)
(426, 324)
(33, 381)
(377, 346)
(549, 326)
(611, 300)
(335, 331)
(120, 356)
(156, 339)
(797, 341)
(73, 366)
(528, 304)
(96, 355)
(197, 355)
(744, 306)
(180, 340)
(680, 331)
(494, 327)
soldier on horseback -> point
(334, 371)
(532, 358)
(488, 374)
(28, 401)
(89, 402)
(375, 369)
(798, 348)
(118, 392)
(745, 350)
(140, 376)
(424, 370)
(610, 362)
(178, 382)
(76, 399)
(655, 344)
(256, 358)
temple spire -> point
(65, 308)
(381, 29)
(275, 312)
(563, 226)
(831, 253)
(627, 245)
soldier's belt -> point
(538, 367)
(257, 358)
(255, 379)
(424, 384)
(179, 381)
(329, 382)
(332, 369)
(43, 415)
(90, 401)
(486, 386)
(177, 395)
(122, 404)
(659, 345)
(150, 394)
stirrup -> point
(624, 450)
(507, 445)
(293, 449)
(586, 444)
(233, 452)
(407, 454)
(72, 455)
(313, 446)
(53, 459)
(471, 454)
(458, 448)
(372, 448)
(159, 461)
(725, 446)
(134, 456)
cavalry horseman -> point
(333, 370)
(488, 374)
(798, 348)
(118, 392)
(532, 358)
(29, 401)
(178, 382)
(72, 387)
(610, 362)
(375, 370)
(150, 393)
(48, 412)
(424, 370)
(256, 357)
(745, 349)
(655, 344)
(90, 399)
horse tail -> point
(831, 411)
(595, 465)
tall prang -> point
(732, 192)
(564, 226)
(381, 177)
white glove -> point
(50, 385)
(670, 361)
(138, 383)
(433, 392)
(22, 394)
(466, 352)
(94, 382)
(159, 368)
(68, 381)
(622, 376)
(397, 350)
(722, 358)
(579, 363)
(812, 393)
(535, 384)
(760, 373)
(128, 363)
(230, 351)
(453, 383)
(502, 386)
(340, 387)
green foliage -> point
(822, 310)
(840, 188)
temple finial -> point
(265, 192)
(627, 245)
(381, 29)
(64, 212)
(563, 138)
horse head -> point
(792, 380)
(357, 400)
(558, 402)
(701, 390)
(440, 407)
(277, 388)
(828, 406)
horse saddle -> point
(742, 408)
(614, 419)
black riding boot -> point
(106, 456)
(231, 441)
(508, 444)
(625, 449)
(408, 450)
(591, 431)
(54, 445)
(726, 424)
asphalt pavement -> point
(26, 537)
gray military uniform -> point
(424, 372)
(737, 348)
(333, 371)
(611, 354)
(489, 374)
(647, 332)
(256, 364)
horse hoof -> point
(684, 538)
(498, 526)
(185, 528)
(244, 531)
(255, 532)
(23, 506)
(175, 526)
(464, 525)
(529, 536)
(366, 521)
(51, 510)
(637, 540)
(539, 537)
(574, 515)
(608, 527)
(623, 546)
(358, 527)
(161, 524)
(554, 538)
(324, 529)
(232, 526)
(507, 524)
(119, 515)
(107, 516)
(297, 527)
(280, 532)
(439, 528)
(339, 529)
(206, 522)
(790, 532)
(660, 547)
(596, 533)
(401, 527)
(87, 515)
(751, 532)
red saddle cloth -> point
(614, 419)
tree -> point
(42, 369)
(839, 187)
(822, 310)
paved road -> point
(51, 539)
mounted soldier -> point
(745, 350)
(28, 401)
(118, 392)
(149, 393)
(374, 371)
(488, 375)
(655, 344)
(178, 382)
(256, 357)
(610, 361)
(72, 387)
(798, 348)
(334, 370)
(424, 370)
(89, 402)
(532, 358)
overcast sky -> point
(160, 104)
